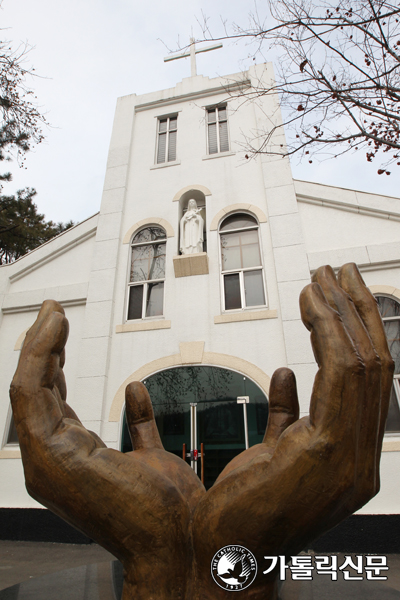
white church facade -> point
(225, 316)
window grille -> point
(166, 142)
(217, 126)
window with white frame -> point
(166, 139)
(217, 130)
(390, 313)
(241, 263)
(147, 274)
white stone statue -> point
(191, 230)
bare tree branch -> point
(338, 76)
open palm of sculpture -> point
(149, 508)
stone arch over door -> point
(199, 414)
(191, 355)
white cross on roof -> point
(192, 53)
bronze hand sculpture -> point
(149, 508)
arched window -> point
(390, 313)
(147, 274)
(241, 263)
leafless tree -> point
(20, 119)
(337, 76)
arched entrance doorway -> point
(199, 404)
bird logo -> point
(237, 573)
(234, 568)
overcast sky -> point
(89, 52)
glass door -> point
(199, 405)
(220, 427)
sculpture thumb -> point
(283, 405)
(140, 418)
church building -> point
(188, 279)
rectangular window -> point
(217, 130)
(166, 139)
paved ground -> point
(85, 572)
(21, 561)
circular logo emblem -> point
(234, 568)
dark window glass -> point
(12, 437)
(232, 291)
(163, 125)
(222, 114)
(135, 302)
(393, 418)
(211, 115)
(238, 222)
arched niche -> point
(199, 196)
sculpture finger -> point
(29, 367)
(370, 404)
(340, 301)
(283, 405)
(140, 417)
(34, 403)
(340, 382)
(47, 308)
(44, 343)
(352, 282)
